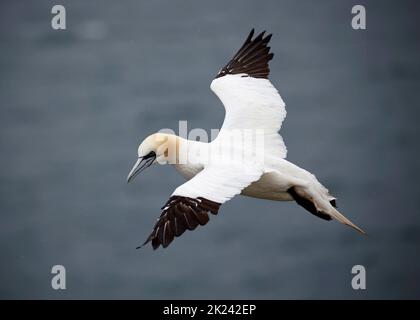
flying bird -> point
(252, 104)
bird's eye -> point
(151, 154)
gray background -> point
(75, 104)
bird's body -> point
(247, 157)
(272, 185)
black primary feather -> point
(180, 214)
(251, 59)
(308, 205)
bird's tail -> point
(340, 217)
(320, 203)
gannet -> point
(251, 104)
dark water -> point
(75, 104)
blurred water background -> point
(75, 104)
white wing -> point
(191, 202)
(254, 104)
(219, 183)
(249, 98)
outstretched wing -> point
(191, 202)
(249, 98)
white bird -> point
(254, 105)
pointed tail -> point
(320, 207)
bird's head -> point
(156, 148)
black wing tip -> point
(180, 214)
(252, 58)
(308, 205)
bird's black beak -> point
(141, 164)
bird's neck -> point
(182, 151)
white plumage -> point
(252, 104)
(255, 109)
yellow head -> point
(157, 147)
